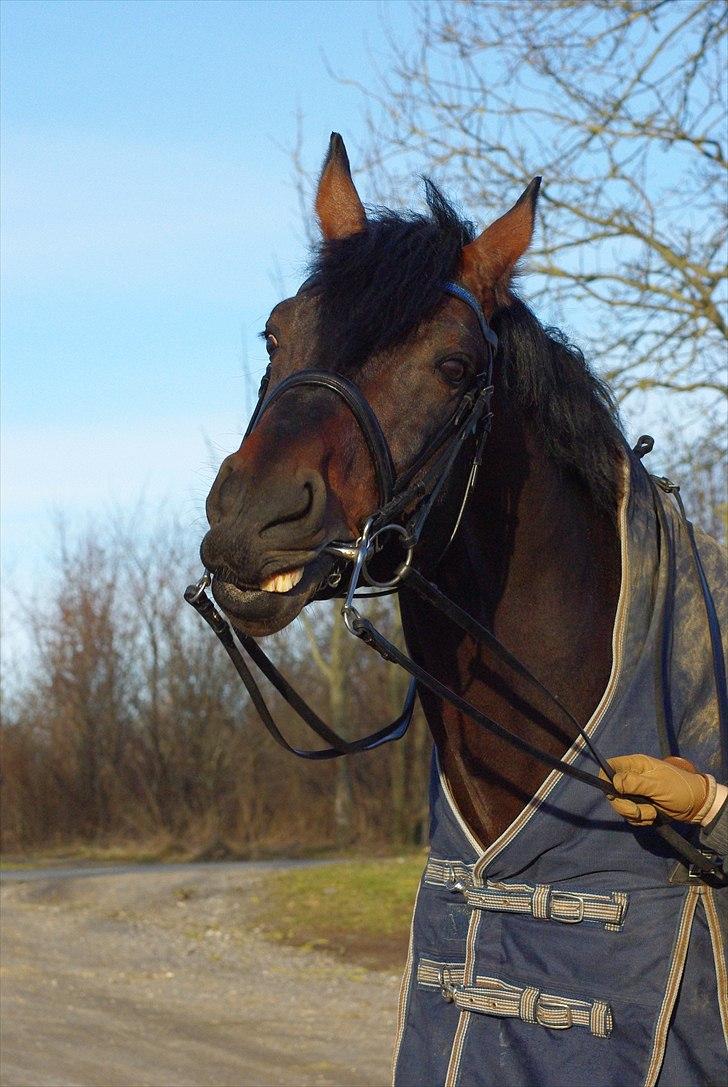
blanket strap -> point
(543, 902)
(493, 996)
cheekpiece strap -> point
(458, 291)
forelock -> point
(376, 287)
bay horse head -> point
(381, 314)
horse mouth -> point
(283, 582)
(280, 597)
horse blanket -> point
(562, 955)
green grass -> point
(357, 910)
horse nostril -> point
(298, 504)
(215, 507)
(296, 514)
(308, 488)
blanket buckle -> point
(579, 913)
(446, 986)
(546, 1016)
(452, 883)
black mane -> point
(548, 380)
(377, 287)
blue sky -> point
(149, 219)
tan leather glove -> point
(673, 785)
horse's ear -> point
(487, 263)
(339, 209)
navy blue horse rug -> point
(562, 955)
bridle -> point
(406, 503)
(420, 485)
(415, 491)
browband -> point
(458, 291)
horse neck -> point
(537, 562)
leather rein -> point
(411, 498)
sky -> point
(150, 222)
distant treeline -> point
(130, 723)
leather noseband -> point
(358, 406)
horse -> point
(548, 944)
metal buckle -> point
(567, 920)
(453, 884)
(667, 485)
(695, 875)
(204, 583)
(446, 986)
(542, 1009)
(683, 872)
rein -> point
(471, 419)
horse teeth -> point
(281, 583)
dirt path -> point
(153, 977)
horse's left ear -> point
(339, 209)
(487, 263)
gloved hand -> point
(673, 785)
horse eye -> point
(271, 343)
(453, 370)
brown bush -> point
(131, 725)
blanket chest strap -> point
(542, 901)
(492, 996)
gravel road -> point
(157, 977)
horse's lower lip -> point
(240, 603)
(230, 592)
(244, 604)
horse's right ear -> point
(338, 207)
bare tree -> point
(334, 667)
(620, 105)
(130, 723)
(75, 711)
